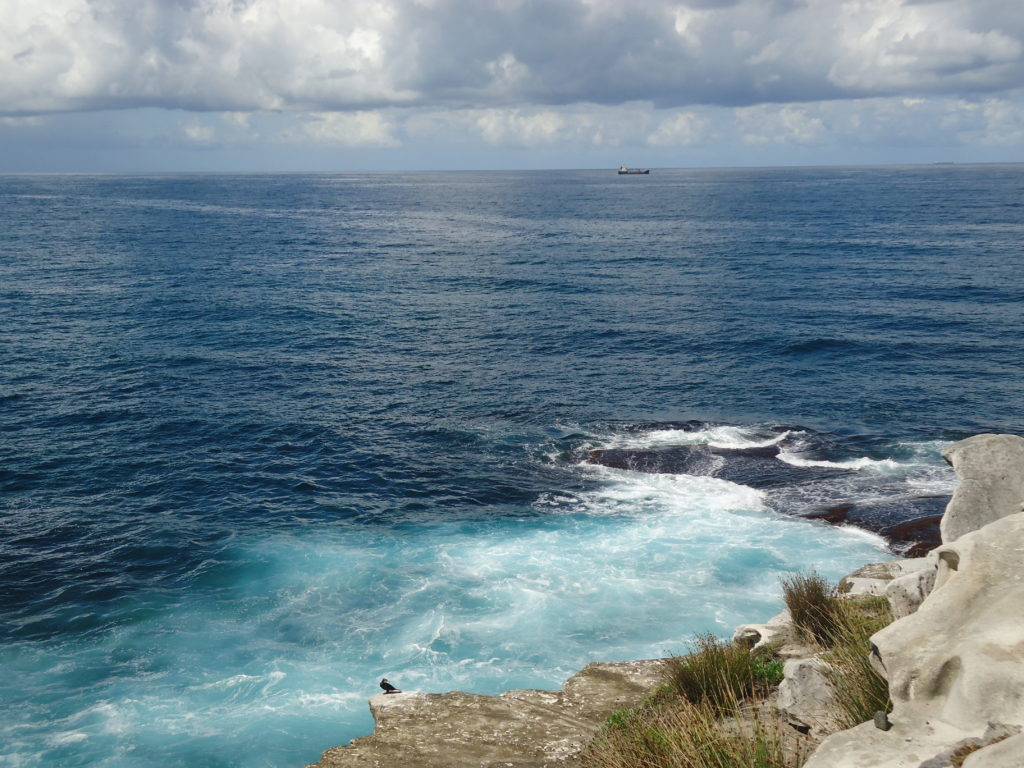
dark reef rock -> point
(911, 538)
(754, 467)
(835, 515)
(922, 535)
(674, 459)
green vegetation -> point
(813, 605)
(691, 735)
(712, 711)
(708, 714)
(842, 628)
(721, 674)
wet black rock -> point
(910, 524)
(757, 467)
(675, 459)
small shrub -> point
(618, 719)
(766, 669)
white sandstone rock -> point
(904, 582)
(869, 580)
(956, 666)
(991, 472)
(806, 697)
(906, 593)
(778, 631)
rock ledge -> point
(519, 728)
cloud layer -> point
(361, 56)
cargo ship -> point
(633, 171)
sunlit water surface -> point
(267, 439)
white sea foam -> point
(67, 737)
(631, 567)
(925, 448)
(933, 486)
(321, 700)
(881, 465)
(640, 493)
(716, 437)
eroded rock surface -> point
(906, 592)
(956, 666)
(519, 728)
(991, 472)
(778, 631)
(806, 697)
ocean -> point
(269, 438)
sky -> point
(336, 85)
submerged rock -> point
(921, 534)
(674, 459)
(757, 467)
(910, 537)
(836, 515)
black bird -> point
(388, 687)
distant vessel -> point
(631, 171)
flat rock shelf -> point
(517, 728)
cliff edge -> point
(519, 728)
(954, 660)
(955, 666)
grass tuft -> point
(812, 604)
(842, 628)
(860, 690)
(712, 711)
(692, 735)
(721, 674)
(706, 715)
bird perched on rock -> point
(388, 687)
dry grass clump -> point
(691, 735)
(722, 674)
(706, 715)
(860, 690)
(964, 751)
(813, 604)
(841, 627)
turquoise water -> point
(268, 439)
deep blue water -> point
(266, 439)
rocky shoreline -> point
(954, 659)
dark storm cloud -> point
(568, 53)
(218, 55)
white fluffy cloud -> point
(364, 55)
(679, 128)
(492, 83)
(772, 124)
(195, 54)
(893, 46)
(348, 129)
